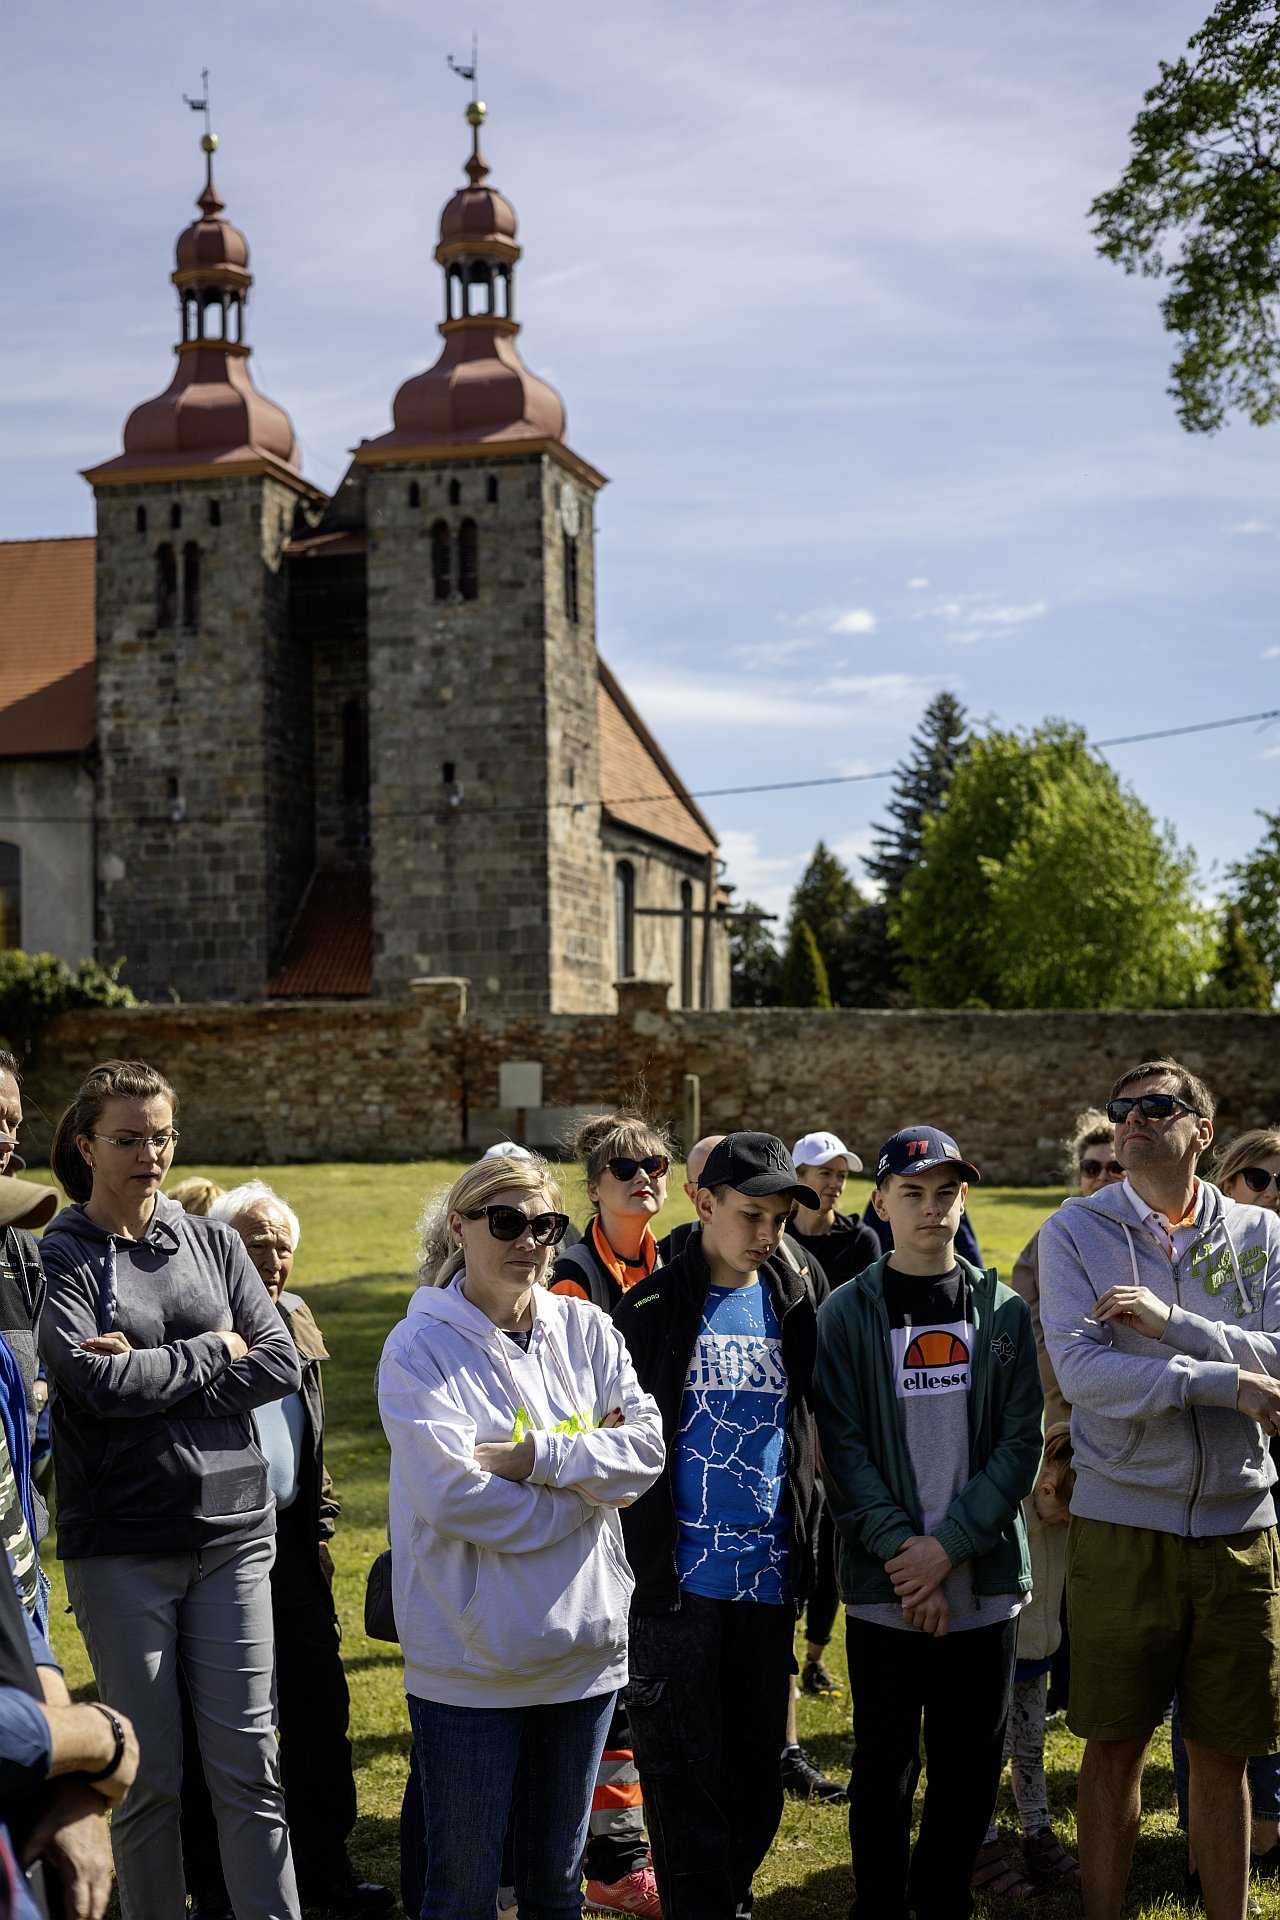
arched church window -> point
(140, 520)
(215, 513)
(455, 492)
(10, 895)
(355, 750)
(686, 943)
(415, 494)
(441, 569)
(166, 586)
(175, 516)
(624, 883)
(570, 558)
(491, 489)
(468, 561)
(191, 585)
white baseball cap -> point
(506, 1150)
(817, 1148)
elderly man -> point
(313, 1704)
(1159, 1299)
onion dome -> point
(479, 389)
(210, 413)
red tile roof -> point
(46, 646)
(330, 951)
(639, 787)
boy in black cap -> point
(721, 1546)
(929, 1410)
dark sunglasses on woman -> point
(623, 1168)
(1257, 1179)
(1094, 1169)
(508, 1223)
(1152, 1106)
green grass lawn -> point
(355, 1267)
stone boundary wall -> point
(414, 1077)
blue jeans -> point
(478, 1764)
(1264, 1778)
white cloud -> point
(1270, 753)
(1016, 616)
(1249, 526)
(915, 585)
(878, 690)
(856, 620)
(854, 769)
(765, 878)
(1270, 653)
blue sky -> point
(817, 285)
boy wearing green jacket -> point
(929, 1406)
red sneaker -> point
(636, 1892)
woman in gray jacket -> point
(159, 1340)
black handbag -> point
(379, 1613)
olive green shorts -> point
(1152, 1614)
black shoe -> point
(815, 1680)
(803, 1781)
(351, 1898)
(209, 1910)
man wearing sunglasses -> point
(722, 1545)
(1155, 1294)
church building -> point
(260, 741)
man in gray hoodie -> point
(1160, 1301)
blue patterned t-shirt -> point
(729, 1477)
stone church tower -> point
(204, 824)
(483, 674)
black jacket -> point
(318, 1503)
(659, 1320)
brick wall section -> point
(208, 714)
(396, 1079)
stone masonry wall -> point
(399, 1079)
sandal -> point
(1047, 1860)
(995, 1873)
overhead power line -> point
(635, 799)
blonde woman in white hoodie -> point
(517, 1431)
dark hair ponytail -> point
(111, 1080)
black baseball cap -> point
(916, 1149)
(756, 1163)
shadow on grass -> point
(828, 1891)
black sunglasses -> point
(1094, 1169)
(508, 1223)
(624, 1168)
(1257, 1179)
(1152, 1106)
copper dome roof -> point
(211, 241)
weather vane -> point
(202, 106)
(472, 72)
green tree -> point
(755, 965)
(829, 903)
(804, 973)
(36, 987)
(1046, 883)
(1198, 205)
(1239, 979)
(919, 789)
(1254, 886)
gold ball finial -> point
(476, 111)
(209, 142)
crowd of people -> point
(623, 1471)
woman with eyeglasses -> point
(159, 1341)
(1089, 1163)
(517, 1430)
(626, 1161)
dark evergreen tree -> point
(829, 903)
(919, 788)
(755, 965)
(804, 974)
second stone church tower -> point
(483, 674)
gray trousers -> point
(142, 1616)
